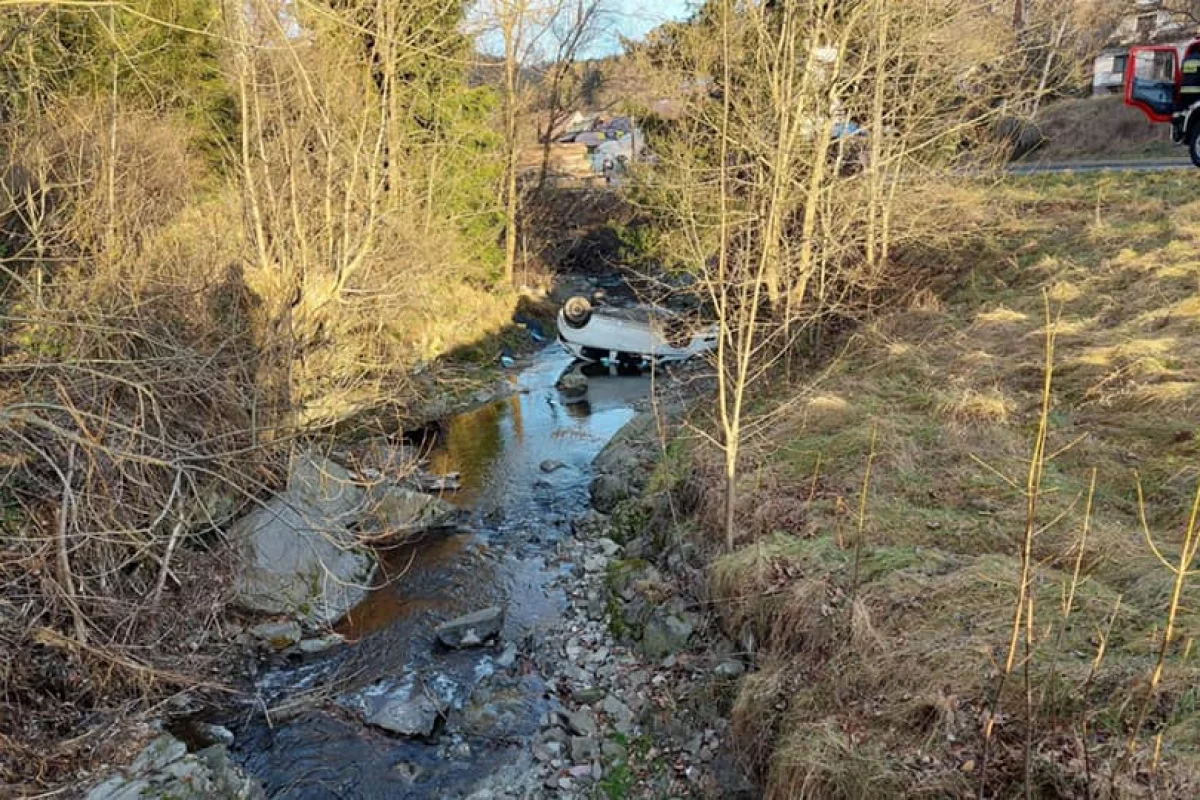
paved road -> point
(1132, 165)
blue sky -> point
(633, 19)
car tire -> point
(577, 311)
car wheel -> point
(577, 311)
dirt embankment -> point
(1099, 128)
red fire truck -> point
(1164, 82)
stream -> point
(312, 741)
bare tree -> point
(779, 187)
(576, 24)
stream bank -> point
(587, 673)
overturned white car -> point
(630, 335)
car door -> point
(1152, 81)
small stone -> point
(590, 695)
(581, 772)
(609, 547)
(595, 564)
(473, 629)
(581, 723)
(616, 709)
(549, 465)
(583, 748)
(279, 635)
(598, 657)
(209, 734)
(557, 736)
(566, 784)
(410, 713)
(320, 645)
(969, 765)
(508, 657)
(614, 751)
(729, 669)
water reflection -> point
(516, 514)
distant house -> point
(1108, 71)
(1150, 22)
(618, 140)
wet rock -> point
(729, 669)
(508, 657)
(573, 387)
(321, 644)
(473, 629)
(411, 711)
(299, 557)
(279, 635)
(409, 773)
(548, 466)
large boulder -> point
(623, 467)
(394, 512)
(166, 769)
(300, 557)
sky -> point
(631, 19)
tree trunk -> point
(730, 503)
(510, 137)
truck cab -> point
(1163, 81)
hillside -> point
(883, 687)
(1100, 128)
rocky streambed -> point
(531, 649)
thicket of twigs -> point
(214, 237)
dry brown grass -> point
(148, 394)
(1099, 128)
(887, 696)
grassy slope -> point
(1098, 129)
(886, 696)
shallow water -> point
(506, 555)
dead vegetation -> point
(173, 319)
(1098, 128)
(1018, 619)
